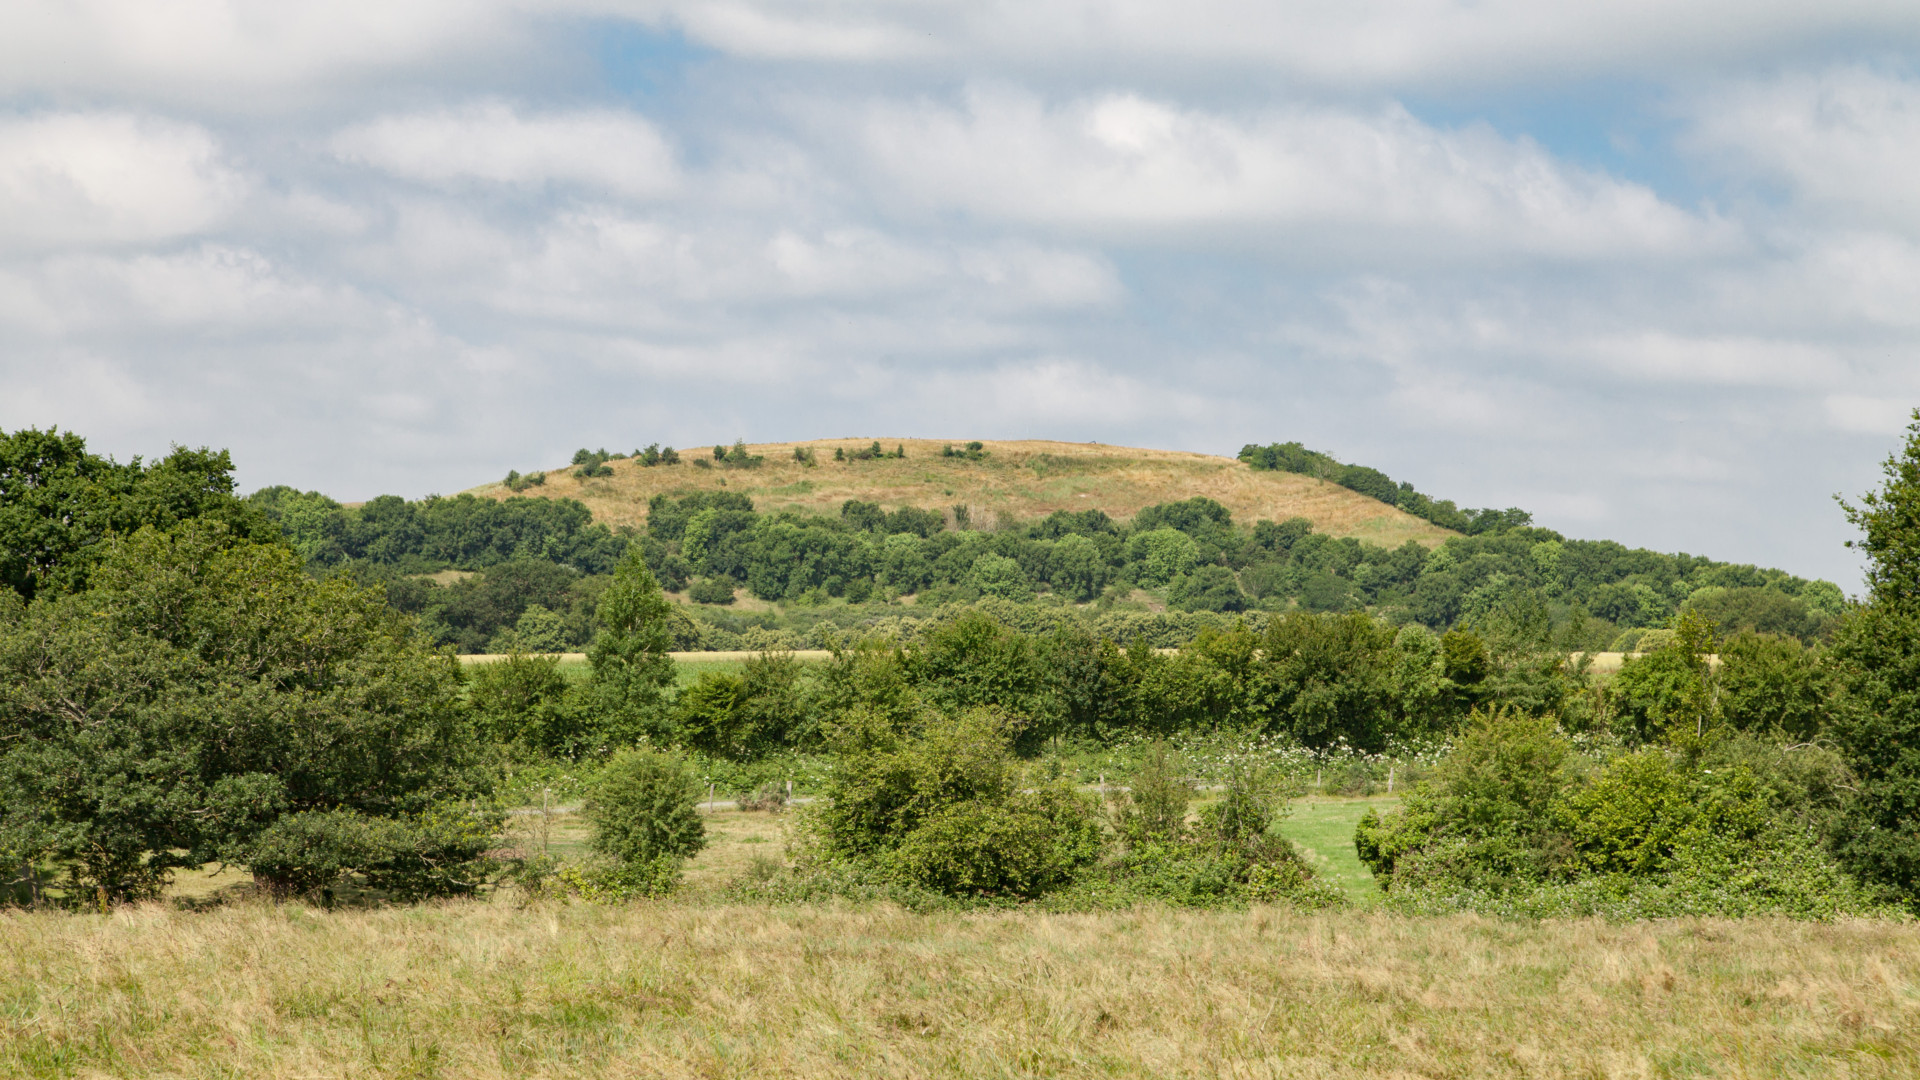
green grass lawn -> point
(1322, 827)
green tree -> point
(1076, 567)
(631, 666)
(200, 690)
(1157, 556)
(997, 575)
(61, 505)
(1876, 721)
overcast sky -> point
(1650, 270)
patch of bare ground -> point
(1019, 479)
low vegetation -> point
(999, 784)
(486, 990)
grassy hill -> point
(1017, 480)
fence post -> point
(1390, 779)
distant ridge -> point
(1011, 480)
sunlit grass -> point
(697, 988)
(1322, 828)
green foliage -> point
(1763, 610)
(462, 532)
(525, 700)
(538, 629)
(1078, 568)
(442, 852)
(1160, 555)
(591, 464)
(744, 716)
(1207, 588)
(656, 455)
(631, 668)
(1485, 816)
(1329, 678)
(974, 661)
(1154, 805)
(514, 482)
(946, 808)
(1507, 826)
(482, 612)
(737, 457)
(711, 591)
(1876, 720)
(643, 809)
(1293, 457)
(199, 690)
(1669, 692)
(973, 451)
(1772, 685)
(60, 506)
(619, 882)
(997, 575)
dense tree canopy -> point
(200, 690)
(60, 504)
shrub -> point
(769, 797)
(711, 591)
(1154, 807)
(1024, 846)
(439, 853)
(737, 457)
(1487, 812)
(1230, 857)
(643, 813)
(522, 698)
(947, 809)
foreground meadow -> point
(477, 989)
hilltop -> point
(1015, 480)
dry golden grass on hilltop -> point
(490, 990)
(1019, 480)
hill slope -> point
(1017, 480)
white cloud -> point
(609, 266)
(1727, 360)
(213, 290)
(246, 54)
(1355, 43)
(206, 50)
(1870, 415)
(109, 178)
(617, 152)
(1846, 142)
(1122, 163)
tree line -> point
(177, 686)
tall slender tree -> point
(1876, 720)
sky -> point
(1648, 270)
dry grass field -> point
(697, 987)
(1019, 480)
(682, 989)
